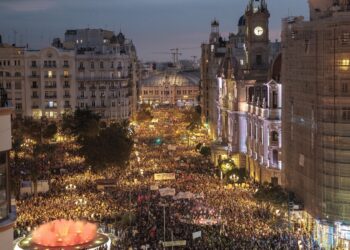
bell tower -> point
(257, 37)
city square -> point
(174, 124)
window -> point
(101, 65)
(18, 106)
(33, 63)
(274, 137)
(258, 60)
(93, 103)
(113, 104)
(178, 92)
(346, 114)
(81, 65)
(8, 85)
(92, 65)
(65, 63)
(274, 100)
(49, 74)
(2, 158)
(65, 73)
(112, 65)
(344, 87)
(275, 157)
(18, 85)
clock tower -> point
(257, 39)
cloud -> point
(28, 5)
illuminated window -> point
(49, 73)
(344, 64)
(65, 73)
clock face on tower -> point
(258, 31)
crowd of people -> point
(227, 218)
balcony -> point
(270, 114)
(47, 76)
(50, 86)
(65, 66)
(66, 86)
(35, 97)
(93, 88)
(67, 106)
(65, 76)
(66, 96)
(50, 107)
(81, 68)
(102, 87)
(34, 106)
(100, 78)
(81, 88)
(34, 76)
(50, 96)
(81, 97)
(34, 86)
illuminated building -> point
(316, 118)
(180, 88)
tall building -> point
(213, 53)
(12, 76)
(316, 117)
(245, 100)
(91, 68)
(7, 213)
(50, 87)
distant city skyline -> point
(153, 25)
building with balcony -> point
(97, 70)
(107, 73)
(50, 82)
(316, 121)
(244, 107)
(7, 212)
(12, 76)
(264, 132)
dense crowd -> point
(228, 218)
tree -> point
(205, 151)
(83, 123)
(112, 146)
(49, 131)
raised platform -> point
(100, 240)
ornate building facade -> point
(178, 88)
(246, 110)
(91, 68)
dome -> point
(241, 21)
(173, 78)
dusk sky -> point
(153, 25)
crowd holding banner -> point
(176, 199)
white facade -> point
(50, 82)
(264, 137)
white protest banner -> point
(167, 191)
(154, 187)
(176, 243)
(164, 176)
(196, 235)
